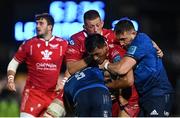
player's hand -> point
(160, 53)
(11, 85)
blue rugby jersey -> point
(89, 77)
(150, 75)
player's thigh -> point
(158, 106)
(82, 104)
(93, 102)
(34, 102)
(102, 104)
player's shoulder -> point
(115, 46)
(110, 35)
(115, 49)
(30, 41)
(91, 70)
(79, 35)
(60, 40)
(77, 38)
(108, 31)
(142, 40)
(142, 36)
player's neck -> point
(48, 37)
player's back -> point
(89, 77)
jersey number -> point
(80, 75)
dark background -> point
(160, 19)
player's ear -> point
(50, 27)
(84, 27)
(134, 32)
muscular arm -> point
(123, 82)
(122, 67)
(75, 66)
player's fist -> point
(11, 84)
(160, 53)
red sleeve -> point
(75, 49)
(110, 35)
(115, 53)
(21, 54)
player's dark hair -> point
(123, 26)
(94, 41)
(46, 16)
(91, 15)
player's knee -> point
(55, 109)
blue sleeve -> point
(139, 47)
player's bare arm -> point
(121, 82)
(75, 66)
(122, 67)
(11, 71)
(159, 51)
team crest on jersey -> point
(71, 41)
(46, 54)
(54, 46)
(132, 49)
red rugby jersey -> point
(43, 59)
(76, 49)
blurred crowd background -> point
(158, 18)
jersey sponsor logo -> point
(54, 46)
(117, 58)
(46, 66)
(132, 49)
(46, 54)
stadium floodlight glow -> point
(18, 31)
(62, 29)
(25, 32)
(85, 6)
(56, 10)
(66, 21)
